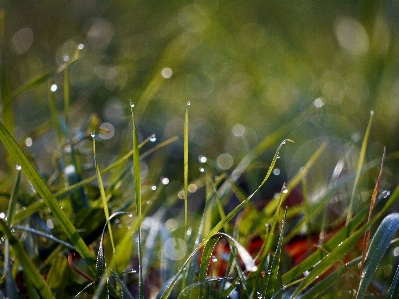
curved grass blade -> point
(200, 284)
(359, 167)
(43, 234)
(29, 268)
(205, 260)
(167, 289)
(381, 240)
(46, 195)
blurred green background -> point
(246, 67)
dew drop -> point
(372, 112)
(214, 259)
(201, 169)
(131, 105)
(3, 216)
(318, 103)
(202, 159)
(165, 181)
(130, 215)
(306, 273)
(81, 46)
(284, 287)
(154, 187)
(93, 134)
(18, 167)
(188, 103)
(276, 171)
(54, 87)
(285, 190)
(153, 138)
(65, 58)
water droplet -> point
(65, 58)
(372, 112)
(276, 171)
(54, 87)
(201, 169)
(28, 142)
(188, 103)
(285, 190)
(306, 273)
(18, 167)
(167, 72)
(154, 187)
(385, 194)
(131, 105)
(165, 181)
(214, 259)
(130, 215)
(202, 159)
(153, 138)
(284, 287)
(81, 46)
(93, 134)
(318, 103)
(269, 272)
(189, 231)
(3, 216)
(148, 202)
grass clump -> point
(65, 236)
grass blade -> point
(359, 167)
(393, 292)
(380, 242)
(102, 192)
(186, 168)
(29, 268)
(46, 195)
(137, 185)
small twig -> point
(366, 239)
(72, 265)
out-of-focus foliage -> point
(246, 68)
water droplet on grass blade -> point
(54, 87)
(153, 138)
(18, 167)
(284, 190)
(154, 187)
(306, 273)
(202, 159)
(201, 169)
(372, 112)
(93, 134)
(81, 46)
(318, 103)
(214, 259)
(188, 103)
(3, 216)
(131, 105)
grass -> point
(100, 231)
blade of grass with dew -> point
(38, 205)
(186, 168)
(380, 242)
(11, 288)
(366, 238)
(28, 267)
(359, 167)
(393, 292)
(46, 195)
(102, 192)
(338, 238)
(205, 261)
(137, 185)
(329, 281)
(337, 251)
(171, 283)
(274, 279)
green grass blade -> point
(67, 95)
(205, 260)
(380, 242)
(393, 292)
(273, 276)
(186, 168)
(29, 268)
(103, 196)
(137, 185)
(359, 167)
(12, 204)
(46, 195)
